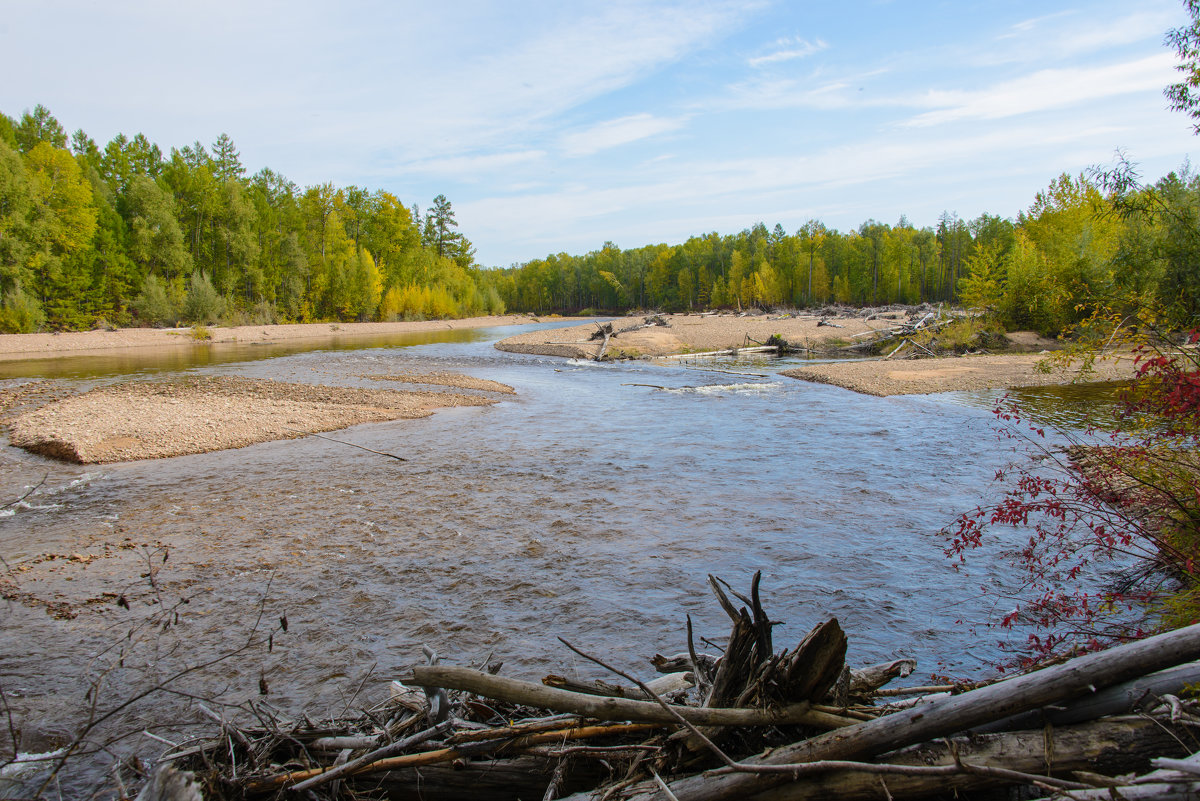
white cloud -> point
(785, 93)
(617, 132)
(787, 50)
(1036, 22)
(1064, 35)
(1047, 89)
(469, 166)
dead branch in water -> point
(351, 444)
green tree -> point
(39, 126)
(1185, 95)
(154, 306)
(439, 227)
(202, 304)
(981, 288)
(155, 239)
(62, 223)
(227, 162)
(16, 203)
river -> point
(585, 507)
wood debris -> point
(751, 722)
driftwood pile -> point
(605, 332)
(751, 722)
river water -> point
(585, 507)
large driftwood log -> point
(1179, 790)
(1116, 700)
(516, 691)
(1072, 679)
(1109, 746)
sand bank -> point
(443, 378)
(685, 333)
(22, 346)
(149, 420)
(947, 374)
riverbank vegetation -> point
(1043, 270)
(125, 235)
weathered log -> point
(1179, 790)
(601, 708)
(726, 352)
(1071, 679)
(922, 690)
(683, 662)
(813, 667)
(347, 768)
(438, 756)
(483, 780)
(1110, 745)
(871, 678)
(663, 685)
(607, 332)
(1116, 700)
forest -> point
(124, 235)
(1101, 238)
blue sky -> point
(555, 126)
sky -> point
(558, 126)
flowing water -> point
(586, 507)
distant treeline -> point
(126, 235)
(1075, 247)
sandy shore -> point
(157, 419)
(22, 346)
(708, 332)
(693, 333)
(924, 376)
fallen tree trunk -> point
(1072, 679)
(1110, 745)
(1113, 745)
(515, 691)
(726, 352)
(1116, 700)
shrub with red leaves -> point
(1106, 528)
